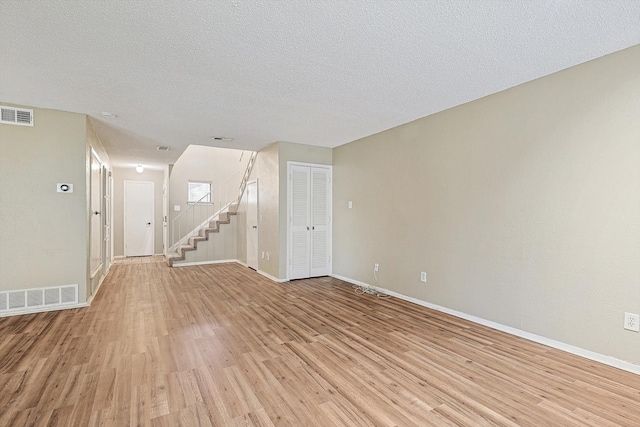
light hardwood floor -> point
(220, 345)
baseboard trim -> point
(270, 277)
(224, 261)
(587, 354)
(44, 309)
(104, 276)
(191, 264)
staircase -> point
(190, 241)
(202, 234)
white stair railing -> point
(199, 214)
(247, 175)
(188, 223)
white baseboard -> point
(104, 276)
(224, 261)
(190, 264)
(119, 257)
(587, 354)
(43, 309)
(270, 277)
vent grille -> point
(52, 296)
(34, 299)
(16, 116)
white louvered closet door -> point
(309, 221)
(300, 240)
(320, 238)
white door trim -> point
(96, 260)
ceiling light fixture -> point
(139, 169)
(221, 138)
(108, 115)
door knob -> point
(96, 213)
(255, 226)
(148, 223)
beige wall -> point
(120, 175)
(270, 171)
(266, 172)
(522, 207)
(222, 167)
(43, 233)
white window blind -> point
(199, 190)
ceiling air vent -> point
(16, 116)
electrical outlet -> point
(376, 267)
(262, 254)
(632, 322)
(423, 277)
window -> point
(199, 191)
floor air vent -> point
(39, 299)
(16, 116)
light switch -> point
(350, 204)
(176, 208)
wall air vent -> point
(163, 148)
(38, 299)
(16, 116)
(221, 138)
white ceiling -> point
(313, 72)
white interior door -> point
(299, 224)
(106, 219)
(165, 214)
(320, 216)
(252, 225)
(309, 231)
(138, 218)
(95, 250)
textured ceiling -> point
(313, 72)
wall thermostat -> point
(64, 187)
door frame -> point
(124, 213)
(255, 181)
(165, 213)
(330, 208)
(107, 218)
(94, 270)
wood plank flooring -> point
(220, 345)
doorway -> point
(165, 213)
(138, 218)
(252, 225)
(107, 185)
(96, 210)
